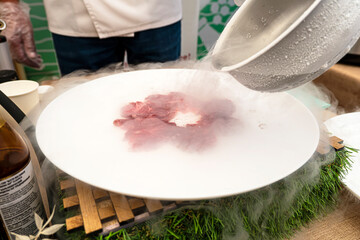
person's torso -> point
(109, 18)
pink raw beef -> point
(147, 124)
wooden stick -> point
(88, 208)
(122, 207)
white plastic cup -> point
(24, 93)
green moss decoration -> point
(273, 212)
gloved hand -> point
(19, 33)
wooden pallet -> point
(105, 212)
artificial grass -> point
(273, 212)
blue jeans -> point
(154, 45)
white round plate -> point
(277, 134)
(347, 127)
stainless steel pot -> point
(276, 45)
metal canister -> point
(6, 62)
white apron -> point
(109, 18)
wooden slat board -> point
(99, 193)
(88, 207)
(74, 222)
(107, 212)
(66, 184)
(136, 203)
(104, 211)
(153, 205)
(326, 144)
(71, 201)
(122, 207)
(336, 143)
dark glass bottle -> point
(19, 192)
(6, 62)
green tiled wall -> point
(214, 14)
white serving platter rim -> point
(277, 136)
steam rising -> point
(281, 197)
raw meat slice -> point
(149, 123)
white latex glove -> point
(19, 33)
